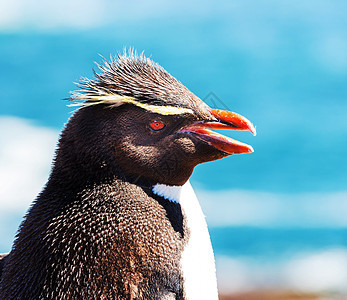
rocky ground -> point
(280, 295)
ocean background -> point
(278, 216)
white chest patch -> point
(169, 192)
(197, 260)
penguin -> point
(118, 218)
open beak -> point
(224, 120)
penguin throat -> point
(169, 192)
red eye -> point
(157, 125)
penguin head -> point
(136, 117)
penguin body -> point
(118, 218)
(100, 246)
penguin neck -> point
(72, 177)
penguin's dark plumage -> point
(3, 259)
(117, 218)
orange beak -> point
(224, 120)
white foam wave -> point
(320, 272)
(240, 207)
(85, 14)
(50, 15)
(26, 154)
